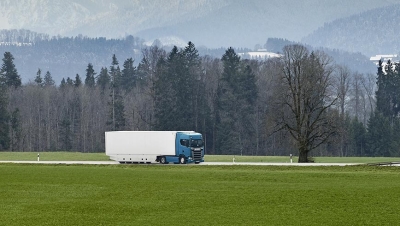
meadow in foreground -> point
(78, 156)
(197, 195)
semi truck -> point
(179, 147)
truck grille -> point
(196, 154)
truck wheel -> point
(182, 160)
(163, 160)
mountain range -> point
(213, 23)
(372, 32)
(67, 35)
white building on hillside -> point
(260, 54)
(384, 58)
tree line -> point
(67, 56)
(301, 103)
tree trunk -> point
(303, 155)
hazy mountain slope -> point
(372, 32)
(245, 23)
(99, 17)
(210, 22)
(354, 61)
(65, 57)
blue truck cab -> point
(189, 148)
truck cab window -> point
(184, 142)
(197, 143)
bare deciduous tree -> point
(342, 86)
(369, 84)
(305, 97)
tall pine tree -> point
(78, 81)
(90, 75)
(178, 99)
(117, 110)
(383, 132)
(164, 94)
(128, 75)
(38, 78)
(48, 79)
(103, 80)
(8, 72)
(236, 99)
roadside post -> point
(38, 157)
(291, 158)
(233, 160)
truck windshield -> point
(196, 143)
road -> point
(65, 162)
(201, 164)
(276, 164)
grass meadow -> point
(286, 159)
(155, 194)
(78, 156)
(52, 156)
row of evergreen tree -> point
(229, 100)
(383, 138)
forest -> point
(68, 56)
(351, 33)
(301, 103)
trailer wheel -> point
(163, 160)
(182, 160)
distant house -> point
(384, 58)
(260, 54)
(15, 44)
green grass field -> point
(77, 156)
(228, 158)
(198, 195)
(52, 156)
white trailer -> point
(151, 146)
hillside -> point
(213, 23)
(354, 61)
(67, 56)
(62, 56)
(372, 32)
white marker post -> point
(233, 160)
(291, 158)
(38, 157)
